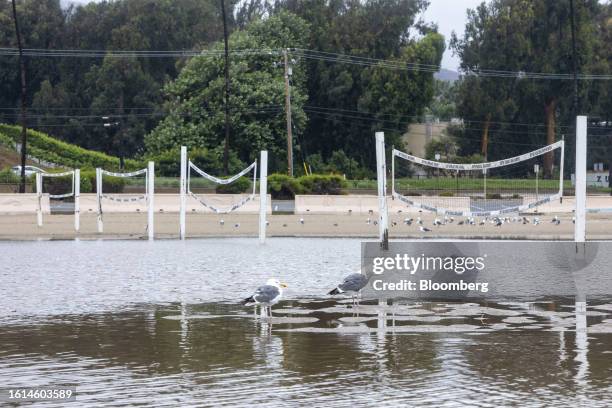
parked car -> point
(29, 170)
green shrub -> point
(323, 184)
(241, 185)
(47, 148)
(8, 177)
(283, 187)
(447, 194)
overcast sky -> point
(448, 14)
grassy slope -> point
(47, 148)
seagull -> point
(408, 221)
(237, 225)
(424, 229)
(368, 221)
(556, 220)
(267, 295)
(222, 222)
(460, 222)
(525, 220)
(352, 283)
(437, 222)
(419, 221)
(301, 221)
(536, 221)
(573, 220)
(393, 223)
(482, 222)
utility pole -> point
(23, 115)
(288, 112)
(227, 92)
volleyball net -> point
(143, 180)
(505, 186)
(217, 204)
(73, 187)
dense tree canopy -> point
(69, 96)
(505, 116)
(196, 98)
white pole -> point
(77, 195)
(150, 199)
(484, 171)
(581, 167)
(263, 194)
(99, 198)
(183, 191)
(561, 165)
(39, 196)
(381, 172)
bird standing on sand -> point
(353, 283)
(267, 295)
(424, 229)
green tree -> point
(339, 93)
(195, 98)
(527, 36)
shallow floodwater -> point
(160, 324)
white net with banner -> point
(505, 186)
(60, 196)
(140, 180)
(206, 203)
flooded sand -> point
(157, 324)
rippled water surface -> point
(160, 324)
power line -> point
(304, 53)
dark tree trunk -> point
(227, 92)
(550, 108)
(23, 114)
(484, 144)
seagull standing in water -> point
(353, 283)
(267, 295)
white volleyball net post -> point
(183, 192)
(381, 175)
(507, 186)
(148, 174)
(263, 195)
(75, 190)
(581, 173)
(188, 167)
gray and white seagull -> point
(267, 295)
(352, 284)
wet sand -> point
(133, 226)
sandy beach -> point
(133, 226)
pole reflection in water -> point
(582, 347)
